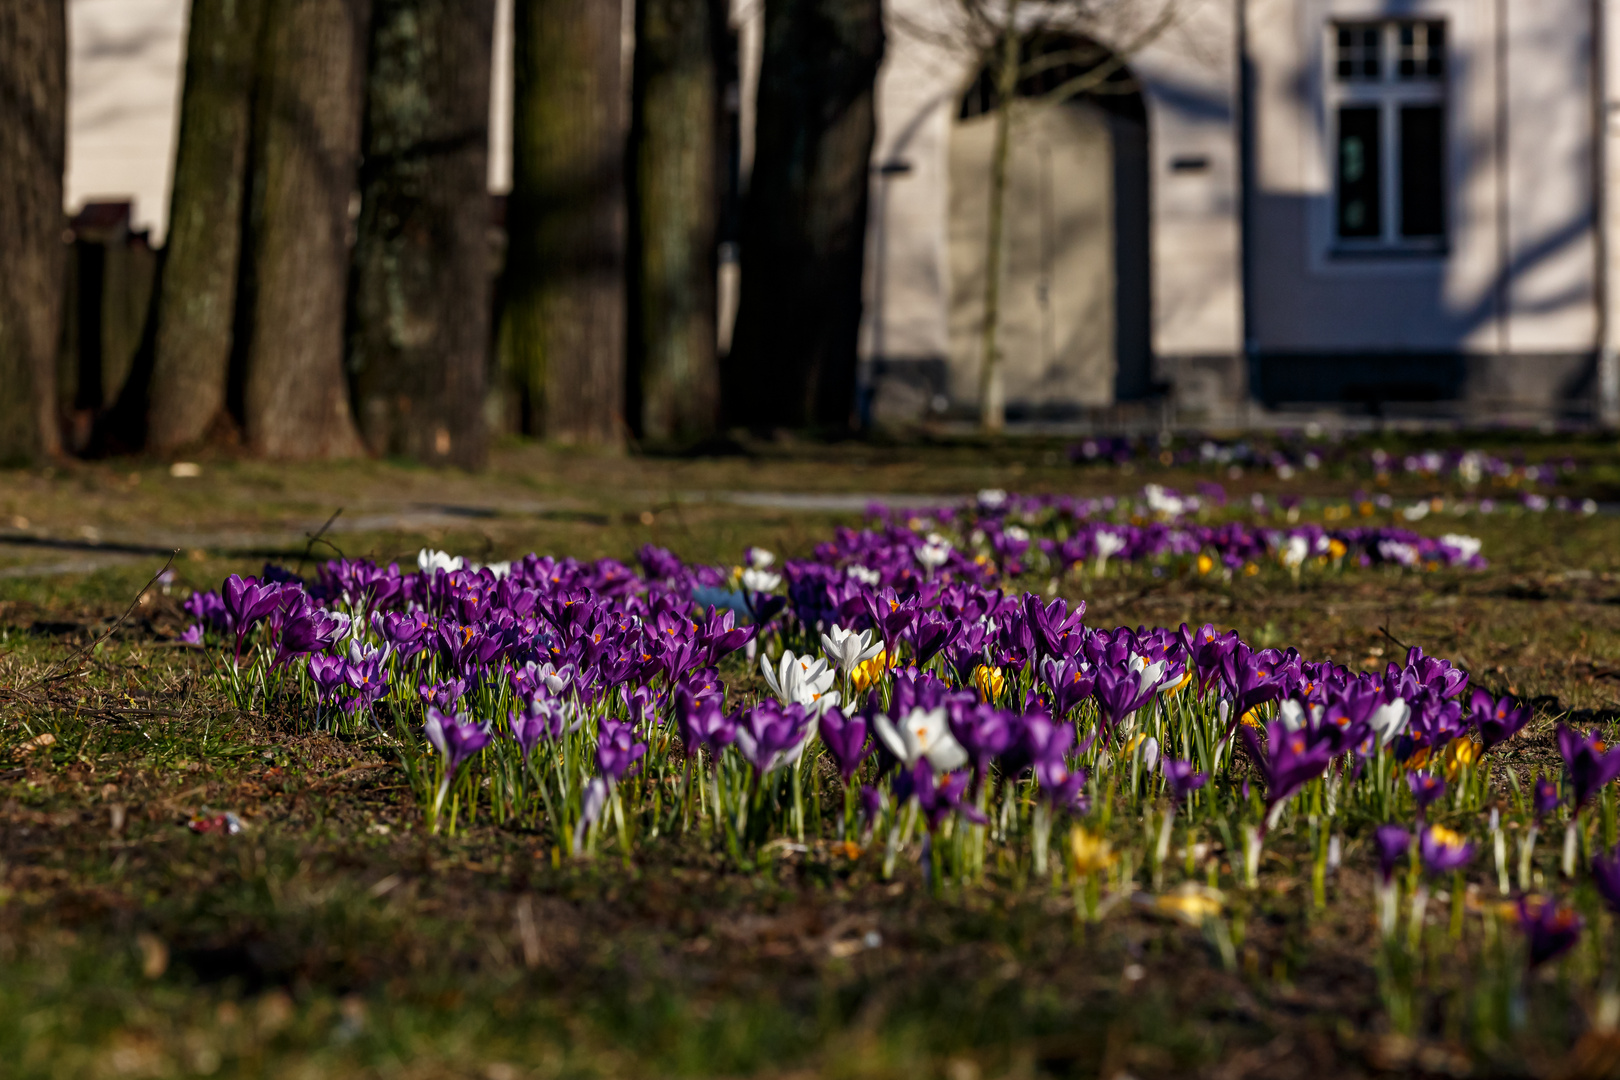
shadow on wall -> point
(1426, 370)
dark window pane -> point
(1371, 40)
(1421, 50)
(1423, 204)
(1358, 47)
(1359, 210)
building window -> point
(1387, 102)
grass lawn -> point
(334, 937)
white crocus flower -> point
(1148, 676)
(1109, 543)
(1295, 716)
(1467, 546)
(992, 498)
(800, 680)
(756, 580)
(1017, 533)
(1388, 721)
(934, 552)
(1295, 551)
(849, 649)
(429, 560)
(1150, 753)
(863, 574)
(759, 558)
(922, 734)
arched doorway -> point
(1074, 328)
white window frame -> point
(1388, 93)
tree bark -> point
(992, 396)
(305, 158)
(419, 337)
(675, 385)
(804, 232)
(33, 149)
(197, 294)
(564, 290)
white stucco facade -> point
(1253, 291)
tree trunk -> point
(564, 291)
(33, 147)
(804, 234)
(197, 293)
(305, 156)
(992, 395)
(675, 389)
(419, 336)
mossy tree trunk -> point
(804, 235)
(197, 293)
(33, 148)
(564, 292)
(675, 383)
(303, 173)
(419, 327)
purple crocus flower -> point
(1070, 681)
(871, 804)
(1551, 930)
(1181, 778)
(702, 721)
(718, 635)
(527, 729)
(891, 615)
(248, 601)
(328, 673)
(1444, 850)
(1544, 797)
(846, 740)
(983, 730)
(405, 631)
(365, 674)
(1120, 691)
(1253, 677)
(1588, 761)
(1426, 788)
(1393, 844)
(1208, 651)
(455, 738)
(771, 735)
(192, 635)
(1053, 625)
(1043, 746)
(1287, 761)
(306, 629)
(1606, 876)
(207, 607)
(937, 796)
(617, 749)
(1498, 721)
(931, 634)
(443, 695)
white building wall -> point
(927, 65)
(1189, 77)
(1533, 253)
(1551, 182)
